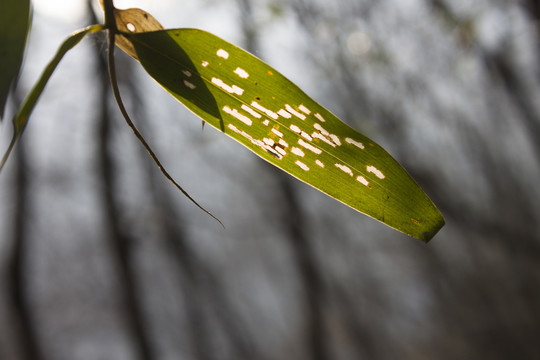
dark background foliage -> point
(101, 258)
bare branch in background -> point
(121, 243)
(25, 327)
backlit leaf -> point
(131, 21)
(257, 106)
(20, 120)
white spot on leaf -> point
(237, 90)
(345, 169)
(251, 111)
(223, 54)
(320, 163)
(281, 151)
(323, 138)
(295, 128)
(324, 135)
(321, 129)
(283, 143)
(230, 89)
(306, 136)
(372, 169)
(278, 152)
(297, 151)
(236, 114)
(277, 132)
(290, 109)
(204, 63)
(269, 141)
(309, 147)
(189, 85)
(362, 180)
(335, 139)
(241, 72)
(319, 116)
(270, 113)
(266, 122)
(284, 113)
(355, 143)
(187, 73)
(302, 165)
(304, 109)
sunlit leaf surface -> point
(254, 104)
(14, 26)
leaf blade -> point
(20, 120)
(254, 104)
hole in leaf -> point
(130, 27)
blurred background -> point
(101, 258)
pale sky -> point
(67, 10)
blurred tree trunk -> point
(119, 240)
(294, 224)
(176, 242)
(25, 327)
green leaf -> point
(21, 118)
(15, 18)
(257, 106)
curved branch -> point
(110, 23)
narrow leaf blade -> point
(20, 120)
(254, 104)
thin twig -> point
(111, 25)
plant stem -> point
(110, 24)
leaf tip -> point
(426, 236)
